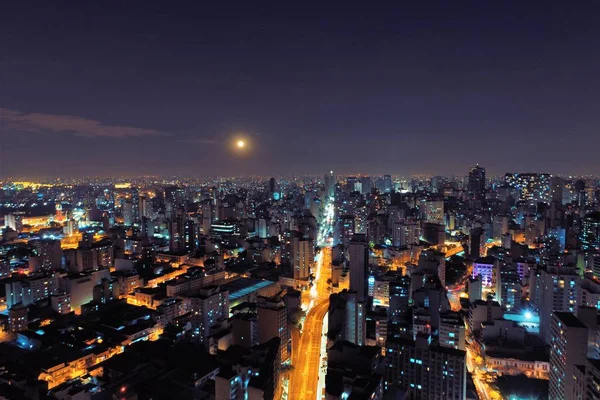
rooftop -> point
(569, 319)
(244, 286)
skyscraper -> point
(302, 255)
(177, 232)
(208, 307)
(557, 187)
(135, 205)
(356, 308)
(476, 185)
(128, 213)
(358, 255)
(50, 253)
(274, 192)
(568, 348)
(366, 185)
(272, 322)
(426, 371)
(330, 184)
(590, 231)
(387, 183)
(190, 235)
(558, 294)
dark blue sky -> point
(150, 88)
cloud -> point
(201, 140)
(36, 122)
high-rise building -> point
(356, 308)
(531, 187)
(499, 226)
(128, 213)
(387, 183)
(557, 186)
(144, 210)
(302, 255)
(475, 288)
(355, 324)
(433, 262)
(14, 221)
(61, 303)
(17, 318)
(345, 228)
(256, 375)
(592, 380)
(588, 292)
(272, 322)
(352, 184)
(508, 287)
(208, 307)
(476, 184)
(330, 183)
(274, 192)
(366, 185)
(433, 233)
(135, 205)
(487, 268)
(452, 330)
(190, 236)
(558, 294)
(568, 349)
(399, 290)
(361, 219)
(207, 217)
(358, 259)
(426, 371)
(30, 289)
(177, 232)
(50, 254)
(590, 231)
(476, 242)
(482, 311)
(405, 233)
(272, 185)
(433, 211)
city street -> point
(475, 360)
(306, 346)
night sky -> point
(141, 88)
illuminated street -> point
(475, 361)
(306, 347)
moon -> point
(240, 144)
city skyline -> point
(302, 288)
(299, 201)
(406, 90)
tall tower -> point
(330, 184)
(273, 189)
(357, 252)
(302, 255)
(568, 349)
(476, 185)
(387, 183)
(135, 205)
(356, 308)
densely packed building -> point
(433, 287)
